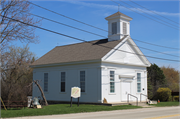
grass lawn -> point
(61, 109)
(164, 104)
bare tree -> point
(12, 30)
(16, 73)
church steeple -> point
(118, 26)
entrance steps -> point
(142, 104)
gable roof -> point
(133, 51)
(118, 14)
(91, 50)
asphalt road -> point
(144, 113)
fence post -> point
(71, 101)
(8, 104)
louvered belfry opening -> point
(118, 26)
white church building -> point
(107, 69)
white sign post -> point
(75, 93)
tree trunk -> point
(42, 93)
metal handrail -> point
(133, 96)
(142, 94)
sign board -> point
(75, 92)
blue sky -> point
(94, 13)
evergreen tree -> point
(156, 79)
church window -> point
(112, 84)
(138, 82)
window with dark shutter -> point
(114, 28)
(63, 80)
(45, 82)
(82, 81)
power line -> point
(156, 45)
(144, 15)
(67, 25)
(153, 11)
(82, 22)
(152, 15)
(86, 41)
(169, 25)
(147, 13)
(152, 50)
(98, 34)
(147, 16)
(67, 16)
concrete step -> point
(142, 104)
(116, 104)
(130, 103)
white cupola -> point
(118, 26)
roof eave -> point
(66, 63)
(129, 64)
(120, 17)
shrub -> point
(176, 98)
(164, 94)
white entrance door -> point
(126, 88)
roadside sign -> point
(75, 92)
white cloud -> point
(94, 5)
(107, 14)
(115, 7)
(172, 52)
(152, 12)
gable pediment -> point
(126, 52)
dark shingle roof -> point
(77, 52)
(116, 14)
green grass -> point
(61, 109)
(164, 104)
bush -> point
(164, 94)
(176, 98)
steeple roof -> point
(118, 14)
